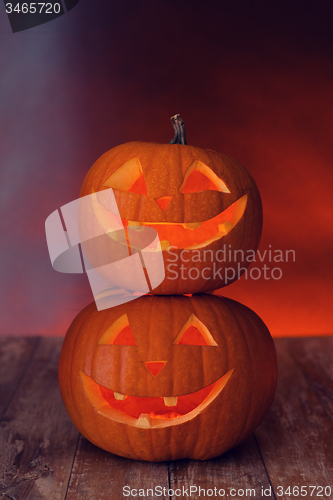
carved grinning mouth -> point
(185, 235)
(151, 412)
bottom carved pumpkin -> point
(164, 378)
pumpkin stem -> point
(179, 128)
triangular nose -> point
(154, 367)
(163, 202)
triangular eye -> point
(125, 337)
(128, 177)
(119, 333)
(192, 336)
(194, 332)
(199, 177)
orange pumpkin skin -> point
(164, 167)
(240, 361)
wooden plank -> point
(37, 439)
(98, 474)
(238, 473)
(314, 356)
(296, 438)
(15, 353)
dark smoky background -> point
(250, 79)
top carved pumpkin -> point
(204, 206)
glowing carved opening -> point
(155, 407)
(200, 175)
(128, 177)
(154, 367)
(183, 235)
(163, 202)
(151, 412)
(180, 234)
(119, 333)
(194, 332)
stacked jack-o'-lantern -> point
(170, 376)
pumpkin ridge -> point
(250, 320)
(254, 319)
(243, 434)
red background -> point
(250, 79)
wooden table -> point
(44, 457)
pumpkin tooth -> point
(171, 401)
(165, 244)
(225, 227)
(143, 421)
(119, 397)
(133, 223)
(192, 225)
